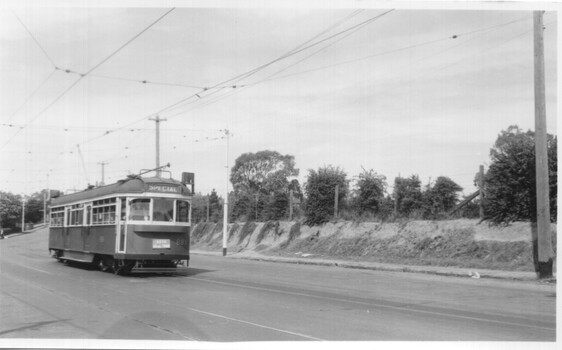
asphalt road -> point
(229, 300)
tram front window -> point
(182, 211)
(163, 209)
(140, 210)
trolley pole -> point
(158, 120)
(544, 241)
(225, 207)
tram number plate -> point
(160, 244)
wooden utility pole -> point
(225, 205)
(22, 214)
(256, 207)
(158, 120)
(544, 241)
(290, 205)
(208, 205)
(336, 201)
(103, 164)
(481, 188)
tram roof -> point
(130, 185)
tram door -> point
(121, 226)
(86, 227)
(66, 230)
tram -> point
(139, 224)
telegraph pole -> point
(290, 205)
(103, 164)
(481, 188)
(225, 207)
(336, 198)
(158, 120)
(544, 241)
(22, 214)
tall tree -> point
(440, 198)
(10, 209)
(408, 194)
(371, 188)
(261, 183)
(510, 183)
(320, 189)
(263, 171)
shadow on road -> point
(180, 272)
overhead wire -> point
(441, 67)
(28, 98)
(265, 65)
(144, 81)
(304, 46)
(35, 40)
(454, 36)
(85, 74)
(272, 76)
(288, 67)
(483, 31)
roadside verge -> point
(434, 270)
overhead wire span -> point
(441, 67)
(454, 36)
(304, 46)
(292, 65)
(483, 31)
(85, 74)
(31, 95)
(265, 65)
(35, 40)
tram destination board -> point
(164, 188)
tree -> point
(510, 183)
(408, 195)
(215, 207)
(440, 198)
(261, 185)
(320, 190)
(264, 171)
(34, 206)
(370, 191)
(10, 209)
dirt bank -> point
(461, 243)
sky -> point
(400, 89)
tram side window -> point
(163, 209)
(139, 209)
(103, 215)
(123, 209)
(77, 215)
(182, 211)
(57, 217)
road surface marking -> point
(375, 304)
(255, 324)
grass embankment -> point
(460, 243)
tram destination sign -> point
(164, 188)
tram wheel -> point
(123, 266)
(104, 264)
